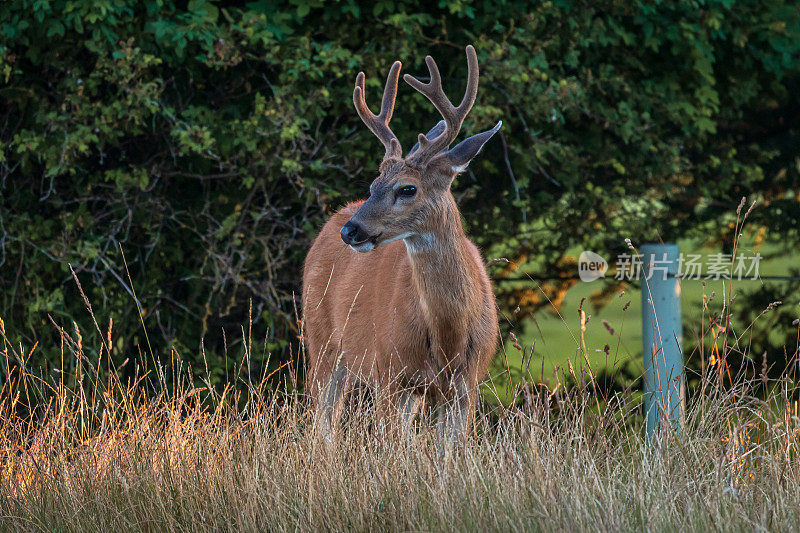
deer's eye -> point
(408, 191)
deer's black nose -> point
(350, 232)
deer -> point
(395, 296)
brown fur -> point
(414, 315)
(397, 320)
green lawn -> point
(557, 333)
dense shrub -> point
(208, 140)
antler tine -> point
(453, 116)
(379, 124)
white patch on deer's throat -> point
(419, 242)
(460, 168)
(424, 305)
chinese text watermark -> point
(592, 266)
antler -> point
(379, 125)
(453, 116)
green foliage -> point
(208, 141)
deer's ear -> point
(462, 153)
(431, 135)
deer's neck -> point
(444, 271)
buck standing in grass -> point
(412, 319)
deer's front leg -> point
(330, 402)
(455, 413)
(408, 404)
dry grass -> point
(155, 452)
(188, 459)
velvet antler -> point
(379, 124)
(453, 116)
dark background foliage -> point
(207, 142)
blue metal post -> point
(662, 333)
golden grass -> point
(91, 452)
(189, 459)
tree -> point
(207, 143)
